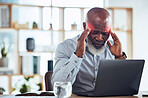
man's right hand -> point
(81, 41)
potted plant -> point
(35, 26)
(4, 59)
(2, 90)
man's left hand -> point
(116, 48)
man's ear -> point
(84, 25)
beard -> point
(93, 49)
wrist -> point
(122, 56)
(78, 54)
(119, 54)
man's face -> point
(98, 38)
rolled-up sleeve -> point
(66, 67)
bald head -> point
(99, 18)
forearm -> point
(65, 70)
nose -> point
(99, 37)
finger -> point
(87, 31)
(84, 25)
(109, 44)
(114, 36)
(85, 34)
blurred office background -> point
(30, 30)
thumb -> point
(109, 44)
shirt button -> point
(75, 61)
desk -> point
(72, 96)
(138, 96)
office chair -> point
(48, 84)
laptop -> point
(117, 78)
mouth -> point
(98, 44)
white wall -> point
(140, 32)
